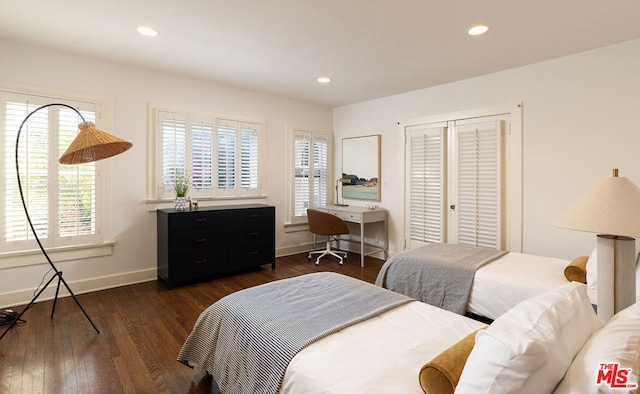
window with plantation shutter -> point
(249, 157)
(454, 182)
(77, 183)
(174, 148)
(63, 200)
(302, 174)
(226, 162)
(310, 183)
(202, 157)
(222, 156)
(320, 170)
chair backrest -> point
(324, 223)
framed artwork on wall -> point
(361, 168)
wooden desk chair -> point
(323, 223)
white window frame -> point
(299, 222)
(158, 197)
(60, 249)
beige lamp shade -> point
(611, 207)
(93, 144)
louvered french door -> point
(426, 184)
(475, 204)
(455, 182)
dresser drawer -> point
(196, 219)
(353, 217)
(189, 266)
(242, 256)
(251, 232)
(198, 239)
(251, 215)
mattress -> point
(514, 277)
(381, 355)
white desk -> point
(362, 215)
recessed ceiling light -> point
(477, 30)
(147, 31)
(324, 80)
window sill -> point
(154, 205)
(33, 257)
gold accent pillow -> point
(576, 271)
(441, 375)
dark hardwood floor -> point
(142, 328)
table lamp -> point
(611, 209)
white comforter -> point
(380, 355)
(514, 277)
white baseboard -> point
(295, 249)
(23, 297)
(303, 248)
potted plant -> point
(181, 182)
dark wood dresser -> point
(197, 244)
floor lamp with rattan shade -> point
(91, 144)
(612, 209)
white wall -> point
(580, 120)
(132, 89)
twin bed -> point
(327, 333)
(242, 339)
(496, 281)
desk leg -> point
(362, 243)
(386, 240)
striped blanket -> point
(246, 339)
(438, 274)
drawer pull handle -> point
(200, 239)
(200, 261)
(255, 252)
(252, 234)
(252, 215)
(200, 219)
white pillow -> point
(530, 347)
(617, 342)
(592, 270)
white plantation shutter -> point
(77, 184)
(201, 158)
(33, 162)
(249, 156)
(302, 173)
(310, 179)
(62, 199)
(426, 184)
(478, 184)
(320, 171)
(173, 129)
(222, 156)
(226, 157)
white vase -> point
(181, 203)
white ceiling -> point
(369, 48)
